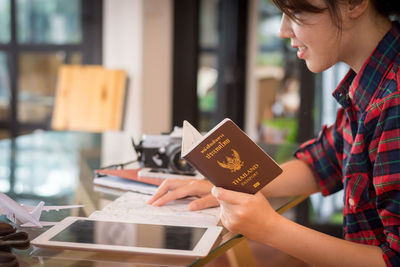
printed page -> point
(133, 207)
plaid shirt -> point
(360, 152)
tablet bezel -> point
(201, 249)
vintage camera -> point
(163, 152)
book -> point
(123, 184)
(144, 175)
(228, 157)
(163, 174)
(143, 180)
(130, 174)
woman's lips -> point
(300, 51)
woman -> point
(359, 153)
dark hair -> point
(387, 7)
(291, 7)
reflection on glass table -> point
(57, 167)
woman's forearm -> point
(319, 249)
(252, 216)
(296, 179)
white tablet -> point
(126, 237)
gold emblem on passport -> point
(232, 163)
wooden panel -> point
(89, 98)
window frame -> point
(231, 57)
(90, 49)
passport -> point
(228, 157)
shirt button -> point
(351, 202)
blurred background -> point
(199, 60)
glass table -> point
(57, 167)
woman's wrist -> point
(272, 226)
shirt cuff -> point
(321, 157)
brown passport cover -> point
(230, 159)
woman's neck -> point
(366, 34)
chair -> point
(89, 98)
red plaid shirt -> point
(360, 152)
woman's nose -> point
(286, 30)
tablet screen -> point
(131, 234)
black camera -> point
(163, 152)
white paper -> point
(190, 136)
(133, 207)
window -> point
(328, 210)
(209, 81)
(277, 80)
(36, 37)
(207, 75)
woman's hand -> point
(247, 214)
(172, 189)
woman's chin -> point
(316, 67)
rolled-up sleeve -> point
(323, 154)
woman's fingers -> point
(164, 188)
(228, 196)
(177, 193)
(174, 189)
(204, 202)
(243, 213)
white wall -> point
(157, 66)
(250, 126)
(137, 37)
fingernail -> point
(214, 191)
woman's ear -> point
(356, 8)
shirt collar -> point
(359, 89)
